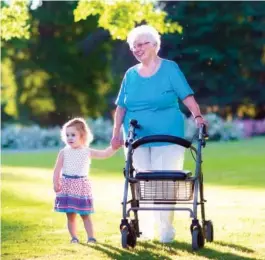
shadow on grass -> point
(150, 250)
(233, 246)
(210, 253)
(118, 253)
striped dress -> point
(76, 194)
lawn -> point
(234, 175)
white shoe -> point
(166, 240)
(167, 236)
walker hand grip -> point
(203, 132)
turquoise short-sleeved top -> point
(153, 101)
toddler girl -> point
(71, 184)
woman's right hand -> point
(116, 142)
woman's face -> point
(143, 48)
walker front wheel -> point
(197, 238)
(124, 237)
(128, 237)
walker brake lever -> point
(134, 123)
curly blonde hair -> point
(82, 127)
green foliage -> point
(220, 50)
(49, 77)
(8, 88)
(119, 16)
(50, 73)
(68, 68)
(14, 20)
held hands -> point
(116, 142)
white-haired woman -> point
(149, 93)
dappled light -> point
(27, 193)
(132, 72)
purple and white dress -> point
(76, 194)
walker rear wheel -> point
(208, 231)
(131, 238)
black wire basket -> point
(165, 190)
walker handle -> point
(203, 132)
(203, 135)
(161, 138)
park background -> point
(61, 59)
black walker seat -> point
(163, 175)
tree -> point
(116, 16)
(53, 79)
(15, 20)
(220, 50)
(64, 68)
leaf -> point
(119, 16)
(15, 20)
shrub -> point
(34, 137)
(218, 129)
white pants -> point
(168, 157)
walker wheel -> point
(197, 238)
(124, 236)
(208, 230)
(128, 237)
(131, 238)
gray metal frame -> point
(130, 180)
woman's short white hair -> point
(147, 30)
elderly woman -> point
(149, 93)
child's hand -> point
(116, 142)
(57, 186)
(118, 145)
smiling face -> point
(144, 48)
(73, 137)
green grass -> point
(234, 176)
